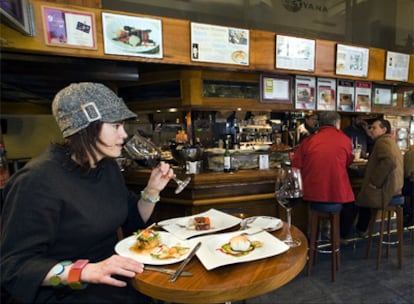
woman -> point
(63, 209)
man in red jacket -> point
(323, 159)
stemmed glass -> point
(289, 192)
(146, 154)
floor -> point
(357, 281)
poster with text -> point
(351, 60)
(219, 44)
(345, 95)
(295, 53)
(397, 65)
(326, 92)
(363, 91)
(305, 93)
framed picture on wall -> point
(326, 93)
(18, 14)
(69, 28)
(275, 88)
(295, 53)
(382, 95)
(352, 60)
(305, 92)
(396, 66)
(132, 36)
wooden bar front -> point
(242, 193)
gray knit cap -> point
(79, 104)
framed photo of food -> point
(69, 28)
(132, 36)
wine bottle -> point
(227, 158)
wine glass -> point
(146, 154)
(289, 192)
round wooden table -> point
(227, 283)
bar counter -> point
(242, 193)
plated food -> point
(231, 248)
(240, 245)
(149, 242)
(154, 248)
(202, 223)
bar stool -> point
(395, 205)
(329, 211)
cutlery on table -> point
(167, 271)
(180, 269)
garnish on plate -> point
(164, 252)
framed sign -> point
(295, 53)
(326, 93)
(396, 67)
(19, 15)
(363, 91)
(219, 44)
(305, 92)
(351, 60)
(132, 36)
(69, 28)
(345, 95)
(275, 88)
(382, 96)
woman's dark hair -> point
(385, 124)
(82, 144)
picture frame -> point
(352, 60)
(69, 28)
(132, 36)
(305, 92)
(275, 88)
(326, 94)
(295, 53)
(382, 95)
(397, 66)
(18, 14)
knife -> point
(167, 271)
(180, 269)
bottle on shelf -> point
(227, 158)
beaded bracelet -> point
(58, 269)
(147, 199)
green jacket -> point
(384, 174)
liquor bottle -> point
(227, 158)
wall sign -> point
(345, 95)
(132, 36)
(326, 93)
(295, 53)
(396, 66)
(305, 92)
(69, 28)
(351, 60)
(363, 91)
(275, 88)
(219, 44)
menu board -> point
(345, 95)
(397, 65)
(275, 88)
(219, 44)
(326, 92)
(295, 53)
(305, 93)
(363, 96)
(351, 60)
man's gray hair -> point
(329, 118)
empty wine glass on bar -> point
(289, 192)
(146, 154)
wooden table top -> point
(227, 283)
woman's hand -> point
(159, 178)
(102, 272)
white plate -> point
(122, 248)
(211, 257)
(267, 223)
(218, 221)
